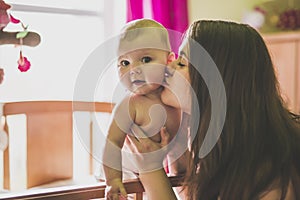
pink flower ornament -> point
(24, 64)
(13, 19)
(5, 18)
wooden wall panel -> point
(284, 48)
(283, 55)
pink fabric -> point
(162, 12)
(134, 10)
(180, 15)
(173, 14)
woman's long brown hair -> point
(260, 141)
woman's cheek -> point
(173, 91)
(177, 90)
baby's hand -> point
(115, 190)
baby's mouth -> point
(138, 82)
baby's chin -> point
(145, 89)
(138, 90)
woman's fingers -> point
(141, 145)
(137, 131)
(132, 143)
(141, 141)
(165, 136)
(148, 154)
(145, 144)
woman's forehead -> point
(184, 48)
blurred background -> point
(70, 30)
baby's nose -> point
(135, 70)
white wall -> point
(66, 43)
(57, 61)
(219, 9)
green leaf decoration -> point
(21, 34)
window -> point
(70, 31)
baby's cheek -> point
(125, 80)
(154, 73)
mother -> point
(258, 153)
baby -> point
(143, 53)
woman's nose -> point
(169, 71)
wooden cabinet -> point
(284, 48)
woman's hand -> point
(151, 173)
(143, 144)
(147, 155)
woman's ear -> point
(171, 57)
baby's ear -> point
(171, 57)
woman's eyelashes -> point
(182, 61)
(180, 64)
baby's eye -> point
(146, 59)
(124, 63)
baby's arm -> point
(112, 160)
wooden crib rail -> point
(55, 106)
(85, 192)
(49, 133)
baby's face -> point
(142, 71)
